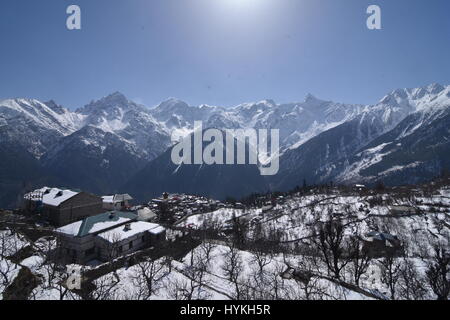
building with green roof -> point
(106, 236)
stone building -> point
(62, 206)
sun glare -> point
(241, 4)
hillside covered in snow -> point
(323, 243)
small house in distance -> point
(381, 244)
(402, 210)
(107, 236)
(267, 207)
(62, 206)
(359, 187)
(117, 202)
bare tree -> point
(232, 269)
(6, 268)
(240, 228)
(147, 278)
(437, 272)
(178, 290)
(49, 250)
(195, 270)
(411, 283)
(266, 286)
(305, 277)
(277, 285)
(256, 285)
(54, 270)
(329, 240)
(206, 251)
(249, 290)
(359, 259)
(9, 245)
(106, 288)
(260, 257)
(390, 274)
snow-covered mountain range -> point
(349, 151)
(102, 145)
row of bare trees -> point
(332, 254)
(344, 256)
(9, 245)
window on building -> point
(131, 245)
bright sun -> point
(240, 4)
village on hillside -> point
(319, 242)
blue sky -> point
(221, 52)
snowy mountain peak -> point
(48, 115)
(310, 98)
(169, 107)
(252, 107)
(171, 103)
(435, 88)
(112, 101)
(115, 97)
(422, 98)
(268, 102)
(55, 107)
(116, 114)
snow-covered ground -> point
(205, 273)
(216, 283)
(295, 215)
(219, 217)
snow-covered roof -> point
(97, 223)
(122, 197)
(71, 229)
(108, 199)
(157, 230)
(116, 198)
(145, 213)
(51, 196)
(134, 228)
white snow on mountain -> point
(297, 122)
(429, 97)
(422, 105)
(368, 158)
(37, 126)
(49, 116)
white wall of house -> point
(109, 250)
